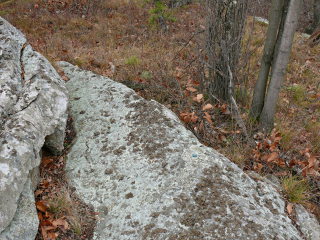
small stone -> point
(129, 195)
(108, 171)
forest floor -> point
(124, 40)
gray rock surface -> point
(308, 223)
(33, 107)
(261, 20)
(150, 178)
(25, 223)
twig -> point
(236, 112)
(186, 44)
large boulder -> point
(33, 110)
(148, 177)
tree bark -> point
(316, 15)
(261, 84)
(280, 64)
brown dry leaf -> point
(65, 78)
(277, 137)
(194, 117)
(47, 223)
(40, 216)
(281, 174)
(38, 192)
(46, 235)
(258, 167)
(198, 98)
(41, 206)
(60, 222)
(271, 157)
(191, 89)
(208, 117)
(224, 109)
(207, 107)
(312, 172)
(45, 183)
(53, 235)
(47, 160)
(223, 131)
(290, 208)
(189, 117)
(312, 162)
(222, 138)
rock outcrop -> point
(150, 178)
(307, 223)
(33, 110)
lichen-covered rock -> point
(25, 223)
(150, 178)
(308, 223)
(33, 107)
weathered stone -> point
(33, 106)
(25, 223)
(261, 20)
(307, 223)
(150, 178)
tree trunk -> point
(261, 84)
(225, 24)
(316, 15)
(280, 64)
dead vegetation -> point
(117, 39)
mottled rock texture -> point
(150, 178)
(307, 223)
(33, 108)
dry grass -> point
(296, 190)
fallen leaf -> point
(312, 161)
(44, 233)
(40, 216)
(290, 208)
(60, 222)
(207, 107)
(52, 235)
(38, 192)
(47, 223)
(198, 98)
(281, 174)
(189, 117)
(41, 206)
(224, 109)
(208, 117)
(65, 78)
(191, 89)
(312, 172)
(47, 160)
(271, 157)
(222, 138)
(194, 117)
(257, 167)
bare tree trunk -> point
(316, 15)
(280, 64)
(225, 24)
(261, 84)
